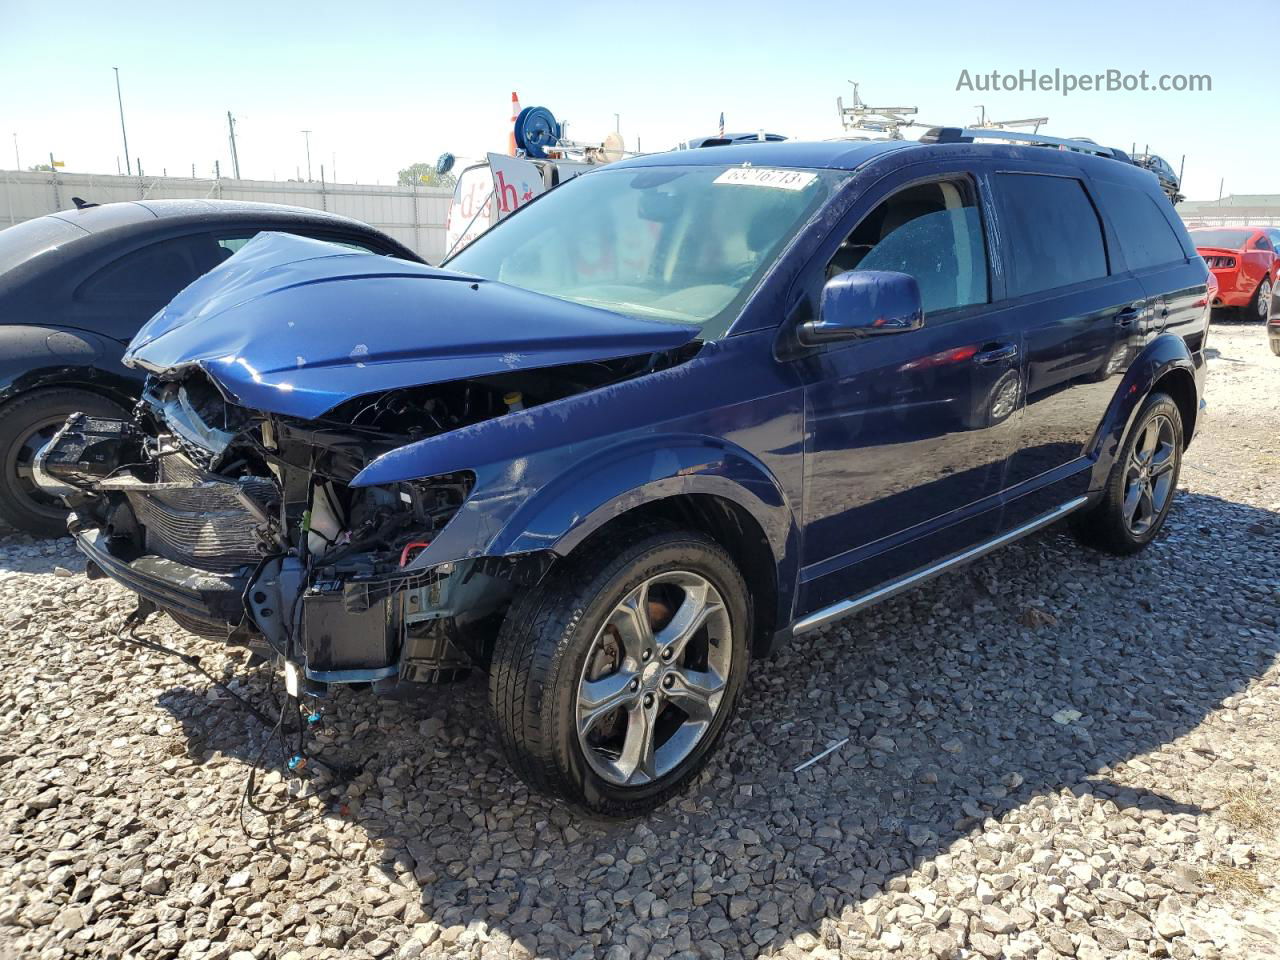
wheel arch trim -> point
(38, 356)
(1166, 358)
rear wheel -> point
(613, 681)
(1275, 347)
(27, 424)
(1141, 485)
(1260, 305)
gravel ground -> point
(1050, 754)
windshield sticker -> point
(764, 177)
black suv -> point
(75, 286)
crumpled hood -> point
(296, 326)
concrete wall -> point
(1256, 210)
(413, 215)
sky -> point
(384, 85)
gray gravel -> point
(1050, 754)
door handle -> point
(1129, 314)
(996, 352)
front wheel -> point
(1140, 487)
(614, 679)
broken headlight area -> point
(244, 526)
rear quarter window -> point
(1145, 235)
(1052, 231)
(153, 274)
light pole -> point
(235, 157)
(128, 166)
(16, 159)
(307, 134)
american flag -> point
(722, 123)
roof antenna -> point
(82, 204)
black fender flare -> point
(1166, 355)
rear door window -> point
(1052, 231)
(1144, 233)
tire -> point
(1275, 347)
(1260, 305)
(571, 632)
(1124, 520)
(25, 424)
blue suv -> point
(672, 414)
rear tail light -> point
(1220, 263)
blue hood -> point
(295, 326)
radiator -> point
(209, 526)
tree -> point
(41, 168)
(424, 175)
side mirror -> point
(864, 304)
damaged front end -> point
(243, 526)
(227, 499)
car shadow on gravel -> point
(1043, 668)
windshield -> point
(1231, 239)
(687, 244)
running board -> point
(845, 607)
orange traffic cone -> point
(515, 112)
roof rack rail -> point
(969, 134)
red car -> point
(1245, 262)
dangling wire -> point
(128, 632)
(277, 731)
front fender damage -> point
(329, 569)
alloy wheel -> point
(654, 678)
(1149, 475)
(1264, 300)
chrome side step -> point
(845, 607)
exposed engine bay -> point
(244, 526)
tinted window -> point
(353, 245)
(1053, 233)
(932, 232)
(226, 246)
(1263, 244)
(1145, 234)
(230, 245)
(154, 273)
